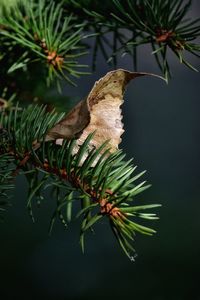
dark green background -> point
(162, 131)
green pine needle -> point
(104, 184)
(45, 36)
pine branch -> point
(162, 24)
(50, 37)
(103, 183)
(43, 35)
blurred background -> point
(162, 132)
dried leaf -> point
(99, 112)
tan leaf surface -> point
(99, 112)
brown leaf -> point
(99, 112)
